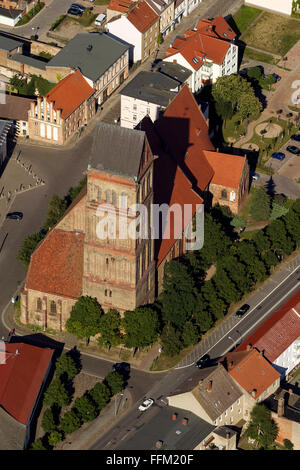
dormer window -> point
(195, 60)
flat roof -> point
(175, 71)
(9, 44)
(32, 61)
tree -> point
(48, 421)
(288, 444)
(70, 422)
(190, 334)
(226, 289)
(110, 324)
(255, 73)
(202, 316)
(84, 320)
(141, 327)
(74, 191)
(115, 382)
(170, 340)
(54, 438)
(56, 210)
(38, 445)
(249, 105)
(291, 222)
(279, 237)
(100, 394)
(238, 221)
(270, 259)
(85, 409)
(260, 208)
(278, 211)
(261, 241)
(65, 366)
(261, 427)
(28, 246)
(178, 297)
(56, 394)
(159, 39)
(237, 272)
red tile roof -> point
(142, 17)
(278, 332)
(56, 266)
(206, 42)
(21, 378)
(70, 93)
(120, 5)
(228, 168)
(185, 131)
(251, 371)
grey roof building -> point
(152, 87)
(92, 53)
(175, 71)
(9, 44)
(117, 150)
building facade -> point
(68, 107)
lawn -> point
(278, 38)
(244, 17)
(259, 56)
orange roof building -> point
(64, 109)
(22, 376)
(209, 51)
(252, 371)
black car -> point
(296, 137)
(203, 361)
(78, 6)
(121, 367)
(74, 11)
(242, 310)
(14, 215)
(277, 78)
(293, 149)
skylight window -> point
(195, 60)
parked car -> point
(278, 155)
(242, 310)
(100, 19)
(293, 149)
(78, 6)
(243, 71)
(74, 11)
(296, 137)
(255, 176)
(121, 367)
(14, 215)
(277, 78)
(203, 361)
(146, 404)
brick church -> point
(172, 161)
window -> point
(114, 198)
(107, 192)
(226, 413)
(53, 308)
(123, 201)
(39, 304)
(134, 107)
(224, 194)
(134, 117)
(238, 402)
(148, 110)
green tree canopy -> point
(100, 394)
(56, 210)
(261, 427)
(48, 420)
(84, 320)
(28, 246)
(110, 324)
(85, 409)
(70, 422)
(141, 327)
(170, 340)
(38, 445)
(115, 382)
(54, 438)
(190, 334)
(260, 207)
(56, 394)
(66, 367)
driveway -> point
(282, 185)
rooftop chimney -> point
(280, 409)
(209, 386)
(249, 347)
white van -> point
(100, 19)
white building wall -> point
(289, 359)
(192, 4)
(123, 29)
(280, 6)
(134, 110)
(10, 21)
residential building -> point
(180, 10)
(76, 258)
(253, 374)
(5, 129)
(208, 51)
(139, 28)
(22, 378)
(15, 108)
(212, 395)
(118, 7)
(175, 71)
(278, 337)
(165, 10)
(285, 410)
(57, 116)
(148, 93)
(102, 60)
(9, 16)
(279, 6)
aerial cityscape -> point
(150, 227)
